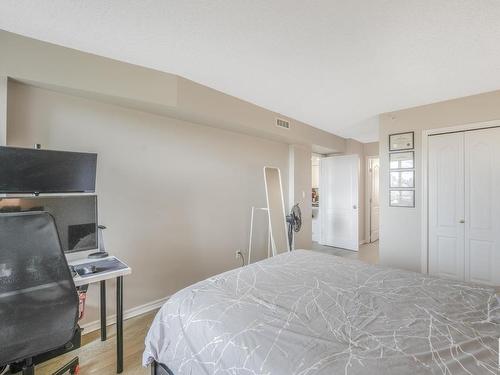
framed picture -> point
(402, 179)
(402, 160)
(402, 198)
(401, 141)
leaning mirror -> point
(276, 210)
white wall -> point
(400, 228)
(175, 196)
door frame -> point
(368, 193)
(424, 249)
(357, 205)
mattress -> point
(305, 312)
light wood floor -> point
(98, 357)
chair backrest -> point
(38, 299)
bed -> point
(305, 312)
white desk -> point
(100, 276)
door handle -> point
(461, 221)
(354, 206)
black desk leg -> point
(119, 324)
(103, 311)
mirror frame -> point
(273, 244)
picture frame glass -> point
(402, 160)
(403, 141)
(402, 179)
(402, 198)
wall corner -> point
(3, 110)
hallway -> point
(367, 252)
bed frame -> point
(160, 369)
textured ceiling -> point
(332, 64)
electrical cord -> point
(240, 254)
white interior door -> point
(339, 201)
(446, 205)
(482, 206)
(374, 200)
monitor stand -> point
(102, 251)
(98, 254)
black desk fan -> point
(294, 220)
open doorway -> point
(332, 191)
(335, 201)
(316, 224)
(372, 199)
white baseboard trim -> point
(127, 314)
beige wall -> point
(400, 228)
(175, 196)
(3, 110)
(300, 188)
(29, 59)
(370, 149)
(207, 106)
(66, 70)
(174, 192)
(150, 130)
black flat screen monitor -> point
(75, 217)
(24, 170)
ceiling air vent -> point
(280, 123)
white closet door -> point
(482, 206)
(446, 205)
(339, 201)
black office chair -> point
(38, 299)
